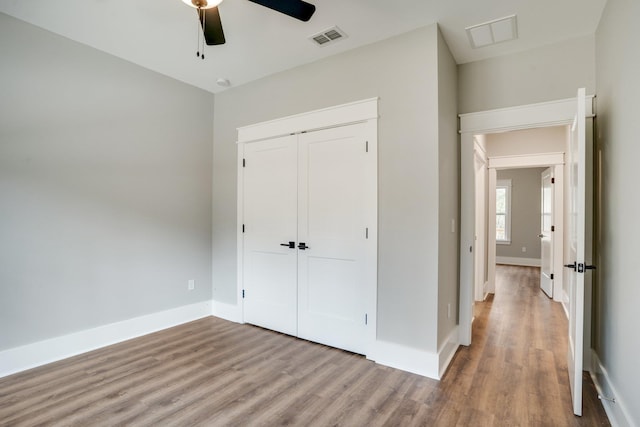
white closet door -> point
(270, 221)
(331, 222)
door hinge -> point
(553, 228)
(244, 163)
(553, 180)
(366, 319)
(243, 228)
(366, 233)
(243, 294)
(366, 147)
(551, 276)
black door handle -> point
(302, 246)
(584, 267)
(573, 266)
(290, 245)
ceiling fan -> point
(212, 25)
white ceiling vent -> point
(492, 32)
(328, 36)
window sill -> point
(503, 242)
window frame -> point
(506, 184)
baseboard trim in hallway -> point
(611, 401)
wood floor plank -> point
(216, 373)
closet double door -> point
(306, 235)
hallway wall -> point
(525, 217)
(617, 152)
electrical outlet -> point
(191, 285)
(524, 249)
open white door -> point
(546, 233)
(576, 261)
(480, 261)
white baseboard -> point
(425, 363)
(511, 260)
(616, 410)
(447, 351)
(51, 350)
(405, 358)
(231, 312)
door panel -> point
(331, 215)
(270, 219)
(576, 252)
(546, 236)
(480, 260)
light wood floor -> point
(215, 373)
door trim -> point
(552, 113)
(529, 116)
(339, 115)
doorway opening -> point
(508, 168)
(501, 125)
(526, 223)
(477, 127)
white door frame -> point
(530, 116)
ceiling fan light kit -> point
(202, 4)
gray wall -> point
(105, 188)
(551, 139)
(616, 290)
(448, 193)
(544, 74)
(403, 72)
(525, 213)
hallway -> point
(515, 372)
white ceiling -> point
(161, 34)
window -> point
(503, 211)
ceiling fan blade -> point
(295, 8)
(211, 26)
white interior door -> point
(576, 261)
(480, 260)
(270, 223)
(546, 235)
(332, 233)
(490, 286)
